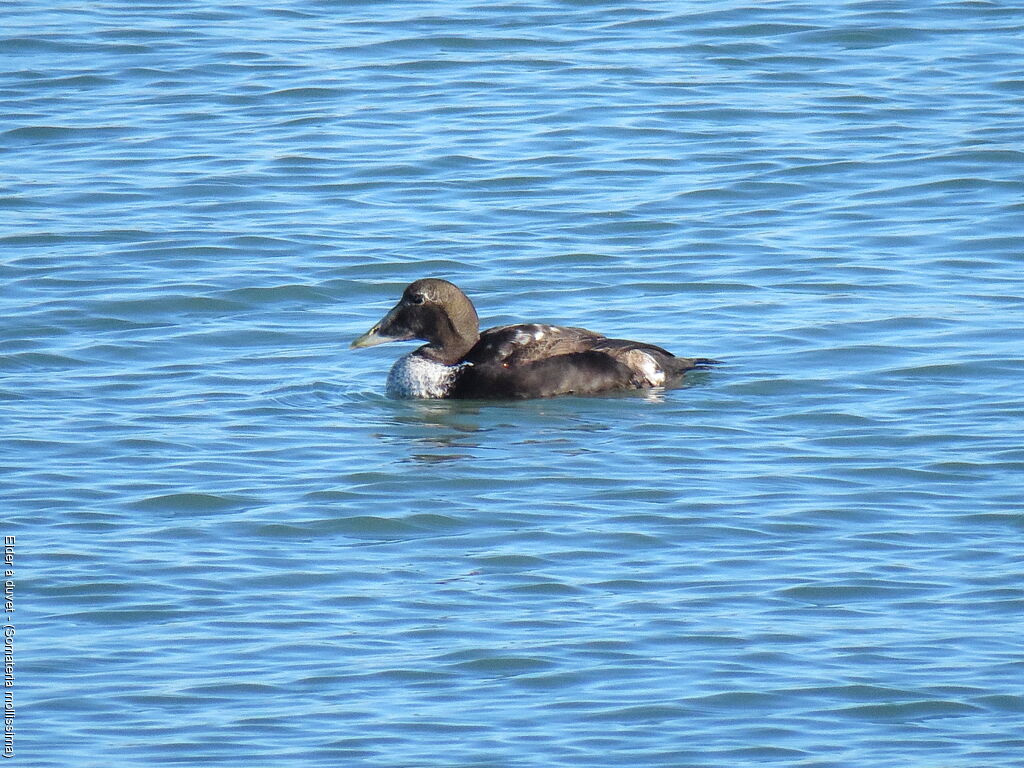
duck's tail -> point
(675, 367)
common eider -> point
(510, 361)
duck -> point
(527, 360)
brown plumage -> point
(510, 361)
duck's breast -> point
(414, 376)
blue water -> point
(233, 550)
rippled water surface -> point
(233, 550)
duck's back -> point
(515, 345)
(537, 360)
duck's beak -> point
(371, 339)
(383, 332)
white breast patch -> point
(414, 376)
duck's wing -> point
(536, 360)
(652, 366)
(516, 345)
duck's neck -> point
(449, 352)
(448, 344)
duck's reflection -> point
(442, 430)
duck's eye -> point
(417, 298)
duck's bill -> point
(373, 337)
(370, 339)
(390, 328)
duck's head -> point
(434, 311)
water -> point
(231, 549)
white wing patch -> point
(646, 367)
